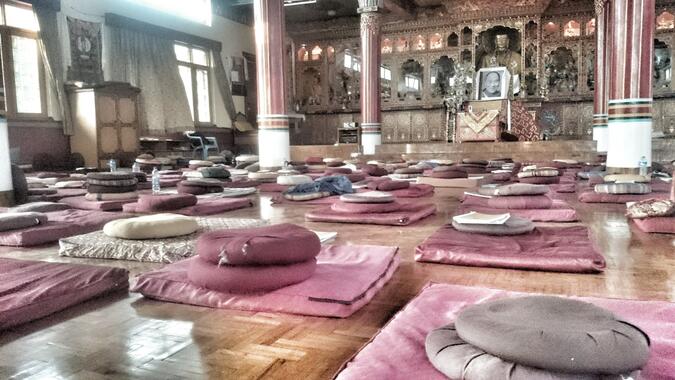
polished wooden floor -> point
(130, 337)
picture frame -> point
(492, 83)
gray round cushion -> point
(111, 176)
(457, 359)
(514, 226)
(555, 333)
(514, 189)
(368, 197)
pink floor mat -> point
(414, 191)
(30, 290)
(659, 225)
(556, 249)
(61, 224)
(63, 193)
(272, 188)
(83, 204)
(203, 206)
(408, 214)
(346, 278)
(590, 196)
(559, 212)
(397, 351)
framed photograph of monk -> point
(493, 83)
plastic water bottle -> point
(112, 164)
(155, 181)
(135, 168)
(643, 166)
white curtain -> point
(149, 63)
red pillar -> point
(630, 84)
(601, 95)
(273, 139)
(371, 125)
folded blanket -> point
(335, 185)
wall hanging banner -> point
(478, 121)
(85, 51)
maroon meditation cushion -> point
(374, 171)
(187, 187)
(334, 164)
(165, 202)
(388, 185)
(540, 180)
(516, 202)
(248, 279)
(314, 161)
(269, 245)
(334, 171)
(472, 168)
(448, 174)
(410, 170)
(355, 177)
(365, 208)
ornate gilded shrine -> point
(551, 48)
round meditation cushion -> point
(388, 185)
(157, 226)
(198, 187)
(449, 174)
(623, 188)
(355, 177)
(113, 183)
(368, 197)
(252, 168)
(544, 172)
(147, 161)
(314, 161)
(374, 170)
(214, 172)
(200, 163)
(540, 180)
(333, 171)
(626, 178)
(307, 196)
(457, 359)
(263, 176)
(287, 171)
(18, 220)
(520, 202)
(111, 176)
(331, 159)
(410, 170)
(102, 189)
(501, 175)
(513, 226)
(474, 162)
(472, 169)
(250, 158)
(39, 207)
(141, 177)
(365, 208)
(513, 189)
(278, 244)
(292, 180)
(554, 333)
(164, 202)
(248, 279)
(145, 156)
(334, 164)
(300, 168)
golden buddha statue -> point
(503, 56)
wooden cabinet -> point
(105, 123)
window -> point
(194, 70)
(22, 80)
(351, 61)
(385, 73)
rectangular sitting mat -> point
(408, 214)
(560, 211)
(463, 183)
(414, 191)
(97, 245)
(83, 204)
(61, 224)
(556, 249)
(590, 196)
(397, 351)
(30, 290)
(659, 225)
(346, 278)
(205, 206)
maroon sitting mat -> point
(590, 196)
(409, 213)
(556, 249)
(346, 278)
(203, 206)
(559, 212)
(164, 202)
(61, 224)
(82, 204)
(30, 290)
(660, 225)
(272, 188)
(398, 350)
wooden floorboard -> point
(127, 337)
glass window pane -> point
(26, 75)
(182, 52)
(204, 104)
(186, 76)
(20, 17)
(199, 57)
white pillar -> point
(6, 186)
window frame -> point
(6, 33)
(193, 75)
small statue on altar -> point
(503, 56)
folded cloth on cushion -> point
(555, 333)
(520, 202)
(457, 359)
(292, 180)
(132, 195)
(18, 220)
(540, 180)
(39, 207)
(407, 214)
(337, 170)
(449, 174)
(34, 289)
(214, 172)
(513, 226)
(513, 189)
(346, 278)
(626, 178)
(651, 208)
(41, 191)
(410, 170)
(657, 224)
(335, 185)
(110, 176)
(556, 249)
(538, 173)
(248, 279)
(301, 197)
(278, 244)
(365, 208)
(164, 202)
(69, 184)
(387, 185)
(151, 227)
(623, 188)
(368, 197)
